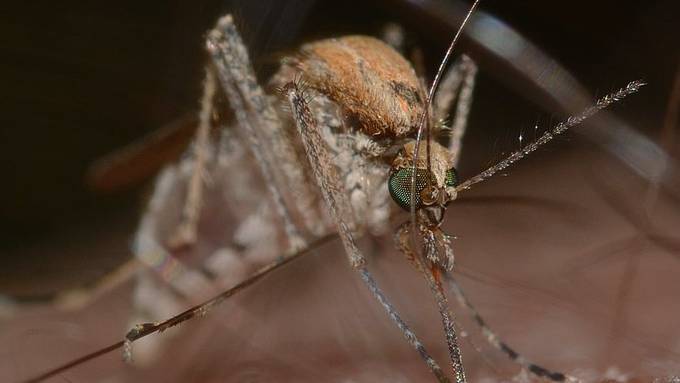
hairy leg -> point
(282, 165)
(497, 343)
(340, 209)
(456, 86)
(252, 112)
(185, 233)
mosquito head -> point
(435, 193)
(435, 187)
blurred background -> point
(81, 80)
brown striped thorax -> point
(381, 96)
(371, 81)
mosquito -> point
(350, 133)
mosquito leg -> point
(497, 343)
(448, 91)
(394, 36)
(340, 210)
(168, 280)
(180, 281)
(186, 231)
(146, 329)
(408, 333)
(247, 100)
(324, 171)
(270, 142)
(402, 239)
(79, 298)
(456, 86)
(463, 105)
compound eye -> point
(451, 177)
(399, 186)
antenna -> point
(424, 123)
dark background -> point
(81, 79)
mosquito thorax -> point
(372, 83)
(435, 187)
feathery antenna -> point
(558, 129)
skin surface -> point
(527, 253)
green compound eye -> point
(451, 177)
(399, 186)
